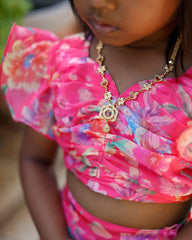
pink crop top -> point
(54, 87)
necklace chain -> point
(109, 112)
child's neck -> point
(135, 62)
(128, 65)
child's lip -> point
(102, 27)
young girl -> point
(118, 100)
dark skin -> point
(40, 187)
(129, 58)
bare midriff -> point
(127, 213)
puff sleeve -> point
(25, 76)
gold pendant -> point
(106, 128)
(109, 113)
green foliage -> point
(10, 11)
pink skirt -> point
(84, 226)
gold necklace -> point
(109, 112)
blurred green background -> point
(11, 11)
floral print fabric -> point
(24, 77)
(54, 87)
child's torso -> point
(129, 213)
(139, 158)
(146, 156)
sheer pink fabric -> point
(54, 87)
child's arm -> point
(186, 232)
(40, 188)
